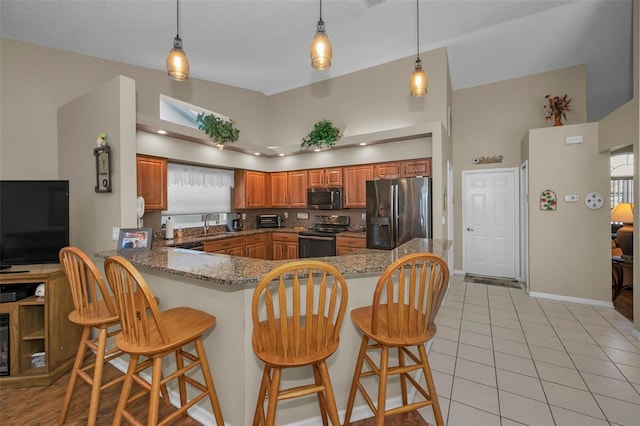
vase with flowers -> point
(556, 108)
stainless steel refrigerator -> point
(398, 210)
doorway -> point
(490, 222)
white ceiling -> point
(263, 45)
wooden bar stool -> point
(405, 303)
(154, 336)
(297, 312)
(93, 308)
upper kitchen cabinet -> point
(289, 189)
(355, 178)
(152, 181)
(413, 168)
(325, 177)
(250, 190)
(387, 170)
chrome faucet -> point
(206, 226)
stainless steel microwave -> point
(325, 198)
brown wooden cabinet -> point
(346, 245)
(234, 246)
(319, 178)
(386, 170)
(40, 324)
(418, 167)
(289, 189)
(354, 185)
(285, 245)
(152, 181)
(258, 246)
(250, 190)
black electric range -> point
(320, 240)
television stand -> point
(17, 271)
(39, 324)
(4, 266)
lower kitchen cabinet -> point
(234, 246)
(259, 246)
(346, 245)
(285, 245)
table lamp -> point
(623, 213)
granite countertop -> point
(242, 271)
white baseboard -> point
(570, 299)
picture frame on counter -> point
(135, 239)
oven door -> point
(316, 246)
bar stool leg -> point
(258, 417)
(97, 377)
(437, 413)
(382, 388)
(208, 379)
(273, 395)
(356, 379)
(82, 349)
(126, 389)
(328, 390)
(322, 401)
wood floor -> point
(40, 405)
(624, 304)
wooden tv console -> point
(39, 324)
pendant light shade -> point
(177, 62)
(419, 82)
(320, 49)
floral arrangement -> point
(220, 131)
(556, 108)
(323, 133)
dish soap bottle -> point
(168, 231)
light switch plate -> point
(115, 233)
(571, 198)
(364, 216)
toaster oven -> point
(269, 221)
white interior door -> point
(490, 222)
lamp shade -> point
(177, 63)
(623, 213)
(320, 49)
(419, 81)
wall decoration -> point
(548, 201)
(135, 239)
(103, 168)
(487, 160)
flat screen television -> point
(34, 221)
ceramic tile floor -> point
(503, 358)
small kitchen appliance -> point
(269, 221)
(325, 198)
(234, 224)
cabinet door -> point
(257, 251)
(354, 185)
(278, 250)
(297, 188)
(316, 178)
(152, 181)
(236, 251)
(346, 245)
(413, 168)
(386, 170)
(333, 177)
(256, 189)
(279, 189)
(291, 251)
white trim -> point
(570, 299)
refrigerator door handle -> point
(395, 216)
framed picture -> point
(135, 239)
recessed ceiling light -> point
(162, 132)
(272, 147)
(363, 143)
(256, 153)
(281, 155)
(317, 150)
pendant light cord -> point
(177, 18)
(418, 28)
(321, 10)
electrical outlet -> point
(115, 233)
(244, 216)
(364, 216)
(286, 215)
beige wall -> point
(492, 119)
(569, 251)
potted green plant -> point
(324, 133)
(220, 131)
(556, 108)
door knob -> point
(470, 229)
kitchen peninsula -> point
(223, 286)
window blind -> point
(197, 190)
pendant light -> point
(320, 47)
(177, 62)
(419, 81)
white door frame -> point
(516, 233)
(524, 224)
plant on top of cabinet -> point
(323, 133)
(220, 131)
